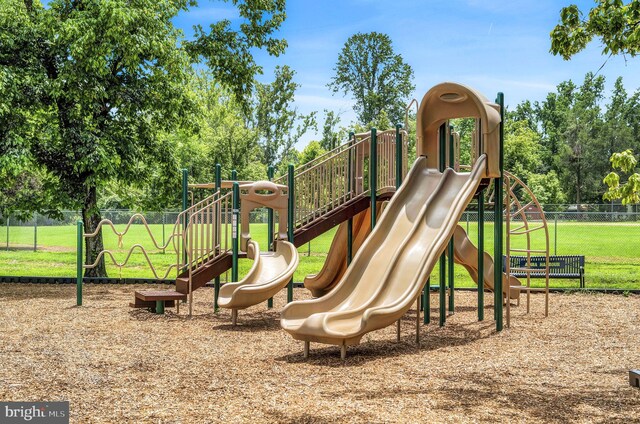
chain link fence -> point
(607, 235)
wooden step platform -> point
(157, 300)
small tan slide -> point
(270, 272)
(465, 253)
(390, 269)
(336, 263)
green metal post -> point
(451, 246)
(216, 281)
(350, 221)
(426, 302)
(290, 222)
(270, 229)
(498, 230)
(399, 163)
(159, 307)
(443, 258)
(79, 249)
(35, 232)
(481, 255)
(234, 231)
(373, 174)
(185, 194)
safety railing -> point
(207, 232)
(342, 175)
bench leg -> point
(160, 307)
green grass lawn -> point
(610, 249)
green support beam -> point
(79, 261)
(159, 307)
(443, 257)
(451, 274)
(290, 221)
(481, 255)
(349, 188)
(216, 281)
(498, 224)
(234, 231)
(373, 175)
(185, 206)
(270, 229)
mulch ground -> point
(116, 364)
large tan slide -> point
(390, 269)
(335, 265)
(465, 253)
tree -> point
(377, 78)
(91, 86)
(278, 122)
(331, 135)
(310, 152)
(521, 149)
(617, 24)
(628, 192)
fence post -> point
(35, 232)
(555, 234)
(79, 248)
(290, 221)
(164, 219)
(8, 217)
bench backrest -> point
(571, 265)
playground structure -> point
(377, 269)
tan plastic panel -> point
(335, 265)
(270, 272)
(389, 271)
(450, 100)
(263, 194)
(465, 253)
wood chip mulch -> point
(116, 364)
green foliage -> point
(310, 152)
(374, 75)
(278, 123)
(228, 52)
(521, 149)
(616, 24)
(332, 137)
(89, 89)
(546, 187)
(629, 192)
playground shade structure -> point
(389, 271)
(465, 253)
(270, 272)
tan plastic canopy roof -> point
(450, 100)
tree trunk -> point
(93, 245)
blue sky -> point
(490, 45)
